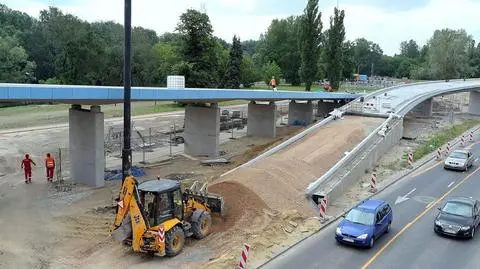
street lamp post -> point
(127, 151)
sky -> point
(386, 22)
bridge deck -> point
(109, 95)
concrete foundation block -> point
(474, 103)
(300, 113)
(202, 130)
(262, 120)
(86, 143)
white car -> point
(459, 160)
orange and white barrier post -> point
(448, 149)
(373, 182)
(462, 141)
(439, 153)
(243, 257)
(471, 136)
(322, 205)
(410, 160)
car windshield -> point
(460, 209)
(361, 217)
(458, 155)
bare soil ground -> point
(61, 225)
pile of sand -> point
(280, 180)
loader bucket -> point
(200, 193)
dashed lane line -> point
(402, 231)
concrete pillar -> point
(262, 120)
(300, 113)
(424, 109)
(474, 104)
(86, 143)
(202, 130)
(325, 107)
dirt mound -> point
(242, 204)
(281, 179)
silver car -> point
(459, 160)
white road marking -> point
(451, 183)
(404, 198)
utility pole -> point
(127, 81)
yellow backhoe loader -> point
(170, 215)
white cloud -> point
(390, 28)
(231, 17)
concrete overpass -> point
(202, 122)
(415, 97)
(392, 103)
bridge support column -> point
(300, 113)
(202, 130)
(474, 104)
(262, 120)
(424, 109)
(325, 107)
(86, 144)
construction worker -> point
(50, 166)
(27, 168)
(273, 84)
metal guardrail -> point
(332, 172)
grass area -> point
(281, 87)
(442, 138)
(16, 110)
(138, 108)
(343, 88)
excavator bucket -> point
(124, 231)
(200, 193)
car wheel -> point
(389, 227)
(371, 243)
(473, 233)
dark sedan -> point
(458, 217)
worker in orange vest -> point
(273, 84)
(50, 166)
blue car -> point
(365, 223)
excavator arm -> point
(130, 221)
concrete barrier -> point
(368, 158)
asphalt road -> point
(412, 242)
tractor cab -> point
(162, 200)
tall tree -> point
(249, 73)
(271, 69)
(233, 73)
(280, 45)
(309, 42)
(367, 55)
(334, 49)
(198, 49)
(409, 49)
(448, 54)
(349, 67)
(14, 64)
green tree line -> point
(62, 48)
